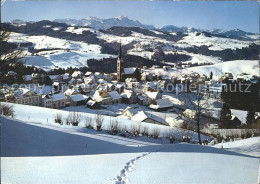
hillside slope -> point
(50, 154)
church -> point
(123, 73)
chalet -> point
(77, 99)
(55, 78)
(116, 98)
(73, 90)
(87, 74)
(154, 95)
(77, 75)
(23, 96)
(36, 78)
(92, 104)
(47, 101)
(143, 116)
(102, 97)
(132, 73)
(129, 97)
(144, 100)
(132, 83)
(161, 104)
(66, 77)
(120, 88)
(130, 112)
(59, 100)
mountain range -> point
(123, 21)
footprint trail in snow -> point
(123, 177)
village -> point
(141, 94)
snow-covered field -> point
(215, 43)
(62, 53)
(47, 153)
(235, 67)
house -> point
(47, 101)
(66, 77)
(87, 74)
(228, 75)
(143, 116)
(116, 98)
(23, 96)
(92, 104)
(102, 97)
(144, 100)
(234, 122)
(77, 99)
(132, 73)
(59, 100)
(36, 78)
(154, 95)
(132, 83)
(129, 97)
(77, 75)
(55, 78)
(73, 90)
(130, 112)
(162, 104)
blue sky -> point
(199, 14)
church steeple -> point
(120, 51)
(119, 64)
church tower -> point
(120, 65)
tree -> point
(10, 55)
(250, 117)
(211, 75)
(196, 100)
(225, 116)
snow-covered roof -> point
(77, 97)
(162, 103)
(127, 94)
(27, 77)
(142, 116)
(88, 73)
(152, 95)
(129, 70)
(101, 81)
(91, 102)
(114, 95)
(76, 73)
(19, 93)
(59, 96)
(53, 77)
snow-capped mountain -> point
(98, 23)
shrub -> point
(6, 110)
(99, 121)
(145, 131)
(74, 118)
(134, 130)
(58, 118)
(89, 123)
(156, 133)
(113, 127)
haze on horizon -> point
(209, 15)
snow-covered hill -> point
(37, 153)
(235, 67)
(214, 43)
(58, 53)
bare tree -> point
(89, 122)
(196, 100)
(99, 121)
